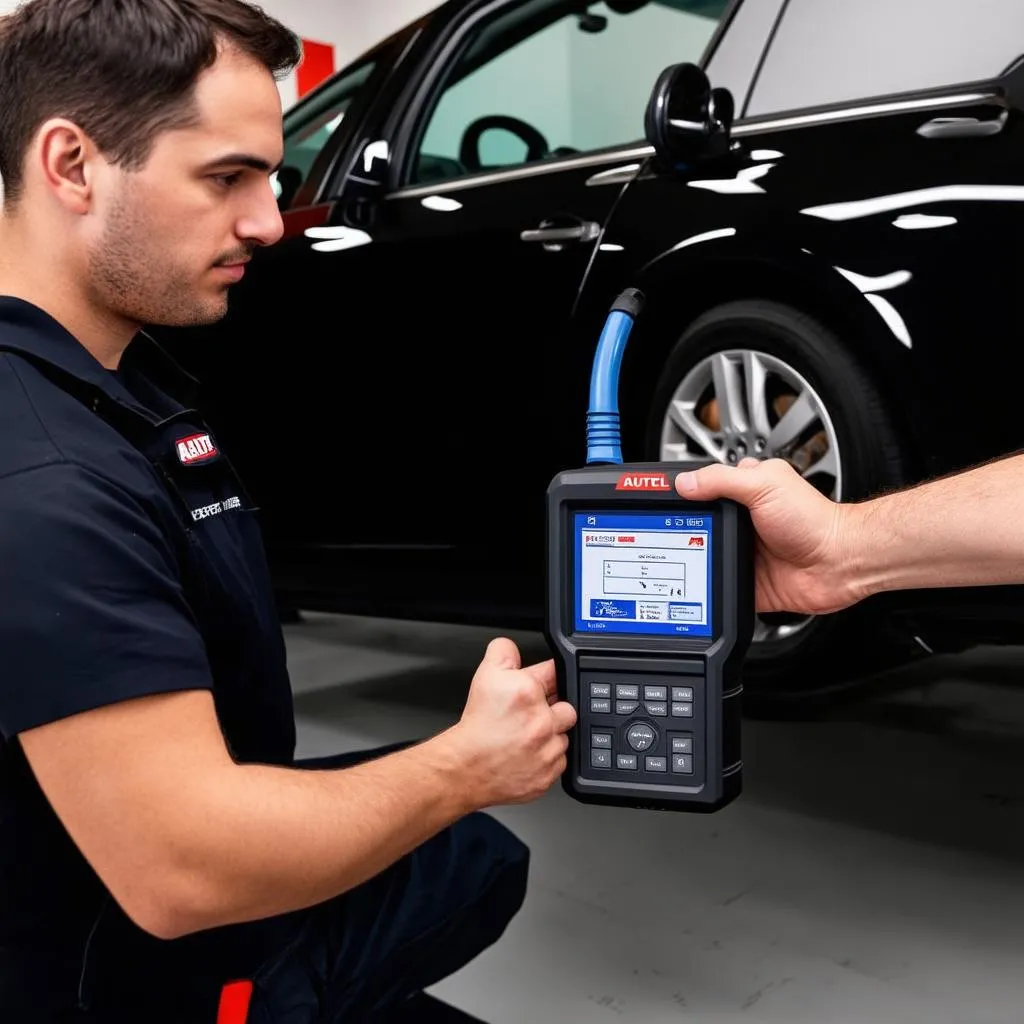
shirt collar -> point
(29, 330)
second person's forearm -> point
(964, 530)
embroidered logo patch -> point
(196, 448)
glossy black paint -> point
(399, 407)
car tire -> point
(825, 653)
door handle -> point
(585, 232)
(962, 127)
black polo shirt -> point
(131, 563)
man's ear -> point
(64, 156)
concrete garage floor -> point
(872, 871)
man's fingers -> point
(564, 715)
(502, 653)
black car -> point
(828, 242)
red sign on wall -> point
(317, 65)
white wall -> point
(362, 23)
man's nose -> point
(262, 223)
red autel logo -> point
(643, 482)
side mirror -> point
(686, 120)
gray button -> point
(682, 693)
(600, 759)
(655, 693)
(682, 711)
(627, 692)
(601, 739)
(601, 707)
(640, 736)
(656, 764)
(682, 744)
(658, 708)
(600, 689)
(626, 707)
(682, 763)
(627, 762)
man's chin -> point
(202, 315)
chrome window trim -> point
(571, 163)
(859, 110)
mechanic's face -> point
(174, 236)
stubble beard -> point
(133, 278)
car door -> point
(503, 162)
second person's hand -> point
(802, 536)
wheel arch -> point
(681, 286)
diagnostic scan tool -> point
(650, 612)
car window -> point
(552, 78)
(310, 129)
(831, 51)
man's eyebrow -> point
(257, 163)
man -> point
(815, 556)
(157, 838)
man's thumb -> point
(717, 481)
(502, 653)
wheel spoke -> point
(800, 415)
(757, 398)
(729, 392)
(683, 417)
(829, 465)
(677, 453)
(826, 464)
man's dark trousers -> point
(357, 957)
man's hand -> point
(801, 533)
(512, 734)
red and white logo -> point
(196, 448)
(696, 542)
(643, 482)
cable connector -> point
(604, 438)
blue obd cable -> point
(604, 438)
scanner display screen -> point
(642, 574)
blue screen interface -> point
(642, 574)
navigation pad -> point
(642, 728)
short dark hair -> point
(123, 70)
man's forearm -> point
(271, 840)
(963, 530)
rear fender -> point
(716, 267)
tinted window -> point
(310, 129)
(573, 80)
(830, 51)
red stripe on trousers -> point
(234, 1003)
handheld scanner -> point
(650, 612)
